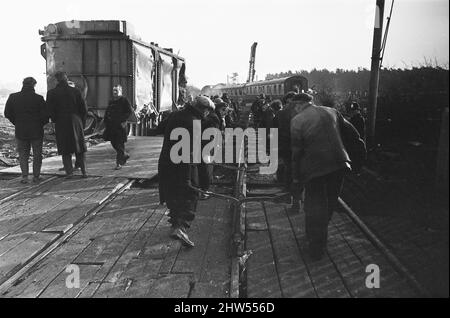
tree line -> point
(408, 98)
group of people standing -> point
(67, 109)
(316, 147)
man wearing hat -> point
(282, 121)
(68, 111)
(176, 178)
(26, 110)
(319, 162)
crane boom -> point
(251, 70)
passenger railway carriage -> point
(275, 88)
(96, 55)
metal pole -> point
(375, 72)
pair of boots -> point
(123, 162)
(36, 179)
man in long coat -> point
(176, 179)
(68, 111)
(27, 112)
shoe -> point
(118, 167)
(61, 169)
(179, 233)
(76, 168)
(37, 179)
(24, 180)
(203, 196)
(69, 176)
(126, 158)
(84, 175)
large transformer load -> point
(97, 55)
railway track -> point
(240, 199)
(247, 256)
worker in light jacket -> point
(116, 131)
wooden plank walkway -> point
(279, 265)
(33, 217)
(29, 223)
(126, 251)
(143, 163)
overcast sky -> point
(214, 36)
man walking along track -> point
(175, 179)
(116, 116)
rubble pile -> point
(8, 154)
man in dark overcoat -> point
(116, 115)
(26, 110)
(176, 178)
(68, 111)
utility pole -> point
(251, 70)
(375, 72)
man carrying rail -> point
(319, 162)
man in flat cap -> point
(176, 178)
(319, 162)
(68, 111)
(26, 110)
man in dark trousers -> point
(116, 115)
(26, 110)
(319, 162)
(176, 178)
(68, 111)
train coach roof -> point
(268, 82)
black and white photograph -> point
(222, 155)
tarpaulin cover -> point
(143, 77)
(166, 83)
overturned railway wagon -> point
(96, 55)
